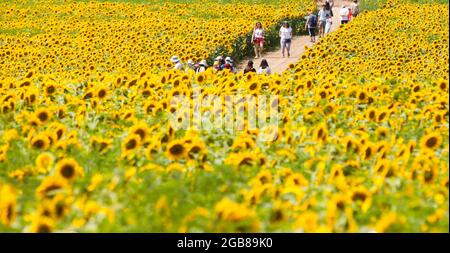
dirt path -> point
(276, 61)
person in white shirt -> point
(344, 15)
(286, 38)
(264, 68)
(322, 16)
(175, 60)
(202, 66)
(328, 24)
(190, 66)
(258, 39)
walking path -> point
(276, 61)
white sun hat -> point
(228, 59)
(204, 63)
(190, 62)
(218, 58)
(174, 59)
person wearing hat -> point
(190, 65)
(202, 66)
(175, 60)
(216, 65)
(229, 64)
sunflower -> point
(321, 133)
(142, 130)
(131, 143)
(8, 202)
(43, 115)
(176, 150)
(430, 141)
(42, 224)
(51, 186)
(40, 141)
(68, 169)
(196, 148)
(44, 162)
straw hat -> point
(174, 59)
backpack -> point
(356, 10)
(312, 20)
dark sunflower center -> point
(50, 89)
(141, 133)
(67, 171)
(431, 142)
(38, 144)
(44, 228)
(43, 116)
(131, 144)
(176, 149)
(101, 93)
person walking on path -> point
(329, 23)
(330, 2)
(286, 38)
(311, 23)
(355, 8)
(177, 62)
(323, 20)
(343, 13)
(258, 39)
(249, 67)
(264, 67)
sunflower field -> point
(87, 144)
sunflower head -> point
(176, 150)
(68, 169)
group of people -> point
(220, 63)
(285, 34)
(324, 18)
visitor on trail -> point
(311, 23)
(249, 67)
(328, 24)
(286, 38)
(350, 14)
(264, 67)
(190, 66)
(344, 15)
(329, 8)
(175, 60)
(216, 65)
(229, 64)
(355, 8)
(221, 62)
(258, 39)
(322, 20)
(202, 66)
